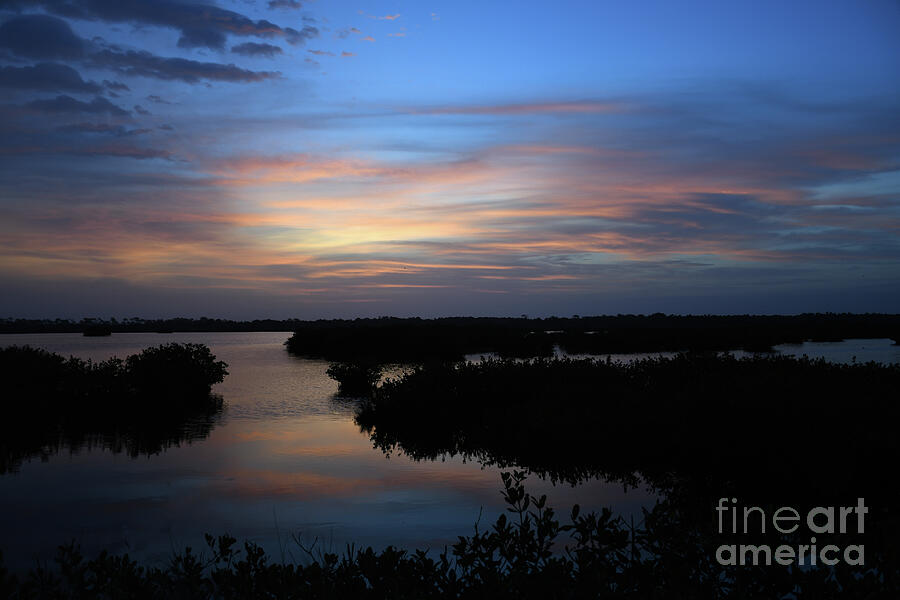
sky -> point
(319, 159)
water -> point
(882, 350)
(861, 351)
(285, 460)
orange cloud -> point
(399, 285)
(288, 169)
(321, 224)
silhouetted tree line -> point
(140, 405)
(519, 556)
(389, 340)
(138, 325)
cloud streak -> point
(41, 37)
(68, 104)
(46, 77)
(254, 49)
(37, 36)
(290, 4)
(200, 25)
(144, 64)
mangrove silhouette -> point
(140, 405)
(398, 340)
(527, 552)
(769, 430)
(693, 425)
(693, 412)
(355, 379)
(393, 340)
(97, 330)
(139, 325)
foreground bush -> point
(519, 556)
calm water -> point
(285, 460)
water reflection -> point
(770, 431)
(144, 435)
(142, 405)
(284, 457)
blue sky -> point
(319, 159)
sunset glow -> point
(320, 160)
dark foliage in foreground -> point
(141, 405)
(388, 340)
(519, 556)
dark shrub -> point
(175, 371)
(140, 405)
(519, 556)
(355, 379)
(31, 370)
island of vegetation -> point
(97, 330)
(393, 340)
(695, 427)
(808, 422)
(140, 405)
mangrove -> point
(140, 405)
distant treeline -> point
(140, 405)
(401, 338)
(138, 325)
(410, 340)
